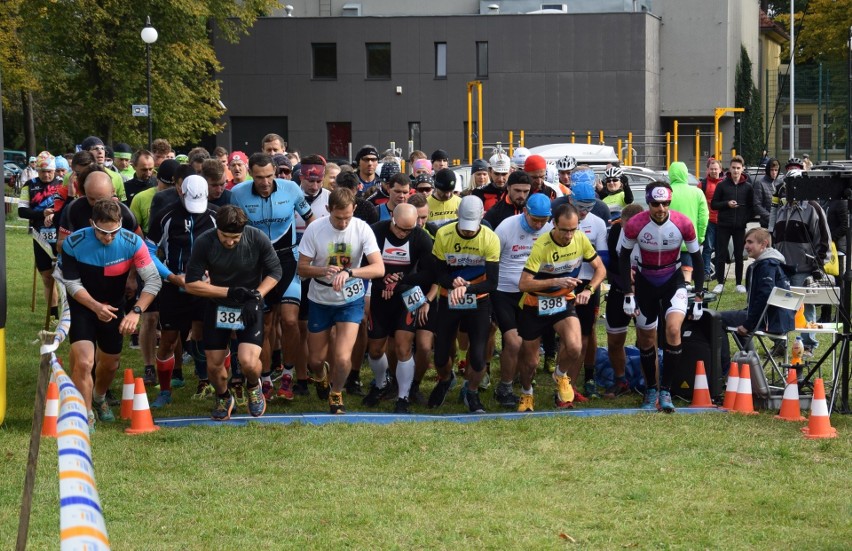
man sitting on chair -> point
(767, 272)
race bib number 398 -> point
(548, 306)
(229, 318)
(353, 289)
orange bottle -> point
(797, 351)
(801, 322)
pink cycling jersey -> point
(659, 244)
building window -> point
(482, 60)
(378, 60)
(804, 133)
(440, 60)
(325, 60)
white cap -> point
(194, 190)
(500, 163)
(470, 213)
(520, 156)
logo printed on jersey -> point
(392, 254)
(339, 254)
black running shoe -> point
(439, 393)
(353, 384)
(505, 397)
(402, 406)
(374, 396)
(471, 400)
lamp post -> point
(149, 36)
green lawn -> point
(642, 481)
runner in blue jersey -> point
(271, 205)
(94, 265)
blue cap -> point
(583, 177)
(538, 205)
(62, 163)
(582, 191)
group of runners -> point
(274, 276)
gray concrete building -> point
(326, 76)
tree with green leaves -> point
(84, 63)
(748, 134)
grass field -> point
(714, 481)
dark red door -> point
(339, 137)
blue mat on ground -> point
(386, 418)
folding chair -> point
(779, 298)
(822, 296)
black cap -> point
(445, 180)
(282, 160)
(366, 150)
(440, 155)
(478, 166)
(90, 142)
(423, 179)
(122, 147)
(166, 171)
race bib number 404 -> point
(229, 318)
(548, 306)
(468, 302)
(353, 289)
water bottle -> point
(798, 350)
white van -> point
(588, 154)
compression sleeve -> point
(492, 274)
(624, 269)
(698, 269)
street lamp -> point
(149, 36)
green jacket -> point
(688, 200)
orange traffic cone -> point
(700, 389)
(141, 420)
(51, 411)
(127, 395)
(790, 409)
(744, 403)
(819, 425)
(731, 388)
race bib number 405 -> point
(468, 302)
(229, 318)
(414, 298)
(548, 306)
(353, 289)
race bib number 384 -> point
(229, 318)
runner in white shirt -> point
(517, 235)
(330, 253)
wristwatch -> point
(590, 288)
(137, 310)
(349, 271)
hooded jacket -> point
(688, 200)
(767, 272)
(764, 188)
(800, 234)
(742, 192)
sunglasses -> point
(608, 180)
(97, 148)
(403, 230)
(659, 204)
(105, 232)
(285, 171)
(424, 188)
(370, 159)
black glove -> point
(241, 294)
(251, 313)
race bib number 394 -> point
(548, 306)
(353, 289)
(468, 302)
(229, 318)
(414, 298)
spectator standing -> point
(734, 199)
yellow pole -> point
(676, 156)
(589, 137)
(668, 149)
(481, 131)
(511, 142)
(719, 156)
(717, 141)
(601, 138)
(573, 137)
(630, 148)
(697, 153)
(620, 155)
(522, 138)
(469, 123)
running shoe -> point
(103, 411)
(267, 389)
(564, 390)
(650, 401)
(163, 399)
(485, 383)
(134, 341)
(91, 418)
(111, 399)
(203, 391)
(665, 400)
(717, 290)
(240, 399)
(549, 364)
(439, 393)
(335, 403)
(375, 395)
(471, 400)
(505, 397)
(301, 387)
(741, 289)
(391, 390)
(222, 408)
(527, 403)
(285, 391)
(353, 385)
(415, 396)
(590, 389)
(278, 372)
(578, 397)
(322, 384)
(150, 376)
(620, 388)
(178, 383)
(256, 401)
(402, 406)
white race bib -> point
(353, 289)
(414, 298)
(229, 318)
(547, 306)
(468, 302)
